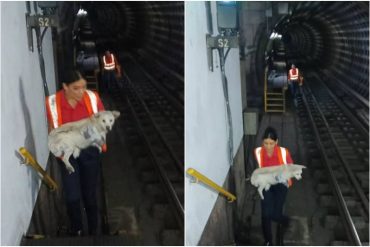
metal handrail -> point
(29, 160)
(200, 177)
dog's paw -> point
(70, 169)
(260, 191)
(98, 146)
(76, 153)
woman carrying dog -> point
(270, 154)
(72, 103)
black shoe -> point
(279, 235)
(76, 233)
(267, 243)
(281, 230)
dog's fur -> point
(70, 138)
(264, 177)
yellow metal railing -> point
(29, 160)
(200, 177)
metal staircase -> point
(274, 98)
(92, 80)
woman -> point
(74, 102)
(270, 154)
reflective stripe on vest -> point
(53, 106)
(109, 66)
(282, 156)
(257, 152)
(295, 76)
(93, 101)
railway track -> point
(154, 128)
(338, 149)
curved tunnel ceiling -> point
(331, 37)
(151, 29)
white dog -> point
(70, 138)
(264, 177)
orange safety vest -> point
(111, 65)
(282, 156)
(293, 77)
(53, 106)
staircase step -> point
(275, 99)
(274, 105)
(274, 93)
(275, 110)
(172, 237)
(298, 232)
(83, 241)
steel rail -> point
(179, 163)
(350, 227)
(358, 189)
(162, 173)
(344, 108)
(170, 98)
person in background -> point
(293, 81)
(110, 65)
(270, 154)
(72, 103)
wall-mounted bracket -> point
(219, 41)
(37, 21)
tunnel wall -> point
(165, 34)
(332, 38)
(252, 34)
(23, 119)
(206, 119)
(153, 30)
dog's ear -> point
(116, 114)
(97, 115)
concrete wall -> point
(206, 147)
(23, 119)
(223, 224)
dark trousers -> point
(109, 80)
(294, 88)
(272, 209)
(82, 183)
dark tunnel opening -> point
(150, 29)
(328, 41)
(152, 32)
(331, 37)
